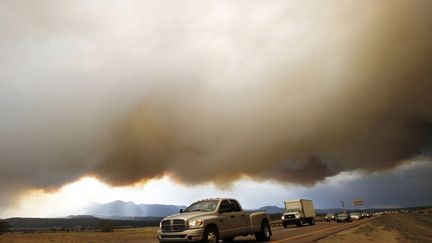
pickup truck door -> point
(224, 220)
(238, 218)
(230, 223)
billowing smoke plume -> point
(287, 91)
(296, 101)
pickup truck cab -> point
(209, 220)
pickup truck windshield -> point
(206, 206)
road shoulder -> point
(387, 228)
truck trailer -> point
(298, 212)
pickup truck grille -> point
(174, 225)
(289, 216)
(166, 225)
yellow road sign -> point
(358, 202)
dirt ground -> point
(388, 228)
(127, 235)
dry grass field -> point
(388, 228)
(127, 235)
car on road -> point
(209, 220)
(366, 215)
(343, 217)
(330, 217)
(356, 216)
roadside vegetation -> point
(4, 227)
(106, 226)
(123, 235)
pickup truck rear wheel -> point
(265, 232)
(211, 235)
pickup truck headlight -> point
(196, 223)
(283, 217)
(297, 216)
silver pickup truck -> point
(209, 220)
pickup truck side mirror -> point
(181, 210)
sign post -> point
(358, 202)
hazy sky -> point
(406, 186)
(295, 96)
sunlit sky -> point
(75, 198)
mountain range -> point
(126, 214)
(121, 209)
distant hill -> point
(121, 209)
(275, 210)
(272, 209)
(85, 222)
(329, 210)
(80, 217)
(125, 210)
(128, 214)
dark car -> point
(330, 217)
(343, 217)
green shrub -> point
(4, 227)
(106, 226)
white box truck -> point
(299, 212)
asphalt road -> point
(302, 234)
(305, 233)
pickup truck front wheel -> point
(265, 232)
(211, 235)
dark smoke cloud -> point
(354, 95)
(129, 91)
(406, 187)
